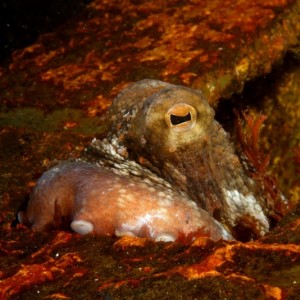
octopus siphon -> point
(165, 167)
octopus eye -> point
(176, 120)
(181, 117)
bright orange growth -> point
(35, 274)
(248, 131)
(187, 240)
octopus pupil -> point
(176, 120)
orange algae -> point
(29, 275)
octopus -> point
(165, 167)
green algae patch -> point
(64, 119)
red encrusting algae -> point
(248, 129)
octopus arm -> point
(92, 199)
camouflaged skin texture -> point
(194, 154)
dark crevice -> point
(22, 21)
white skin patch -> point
(122, 191)
(82, 227)
(164, 237)
(239, 204)
(141, 221)
(161, 194)
(120, 233)
(122, 203)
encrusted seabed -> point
(52, 94)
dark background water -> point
(22, 21)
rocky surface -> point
(52, 94)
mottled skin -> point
(163, 140)
(195, 156)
